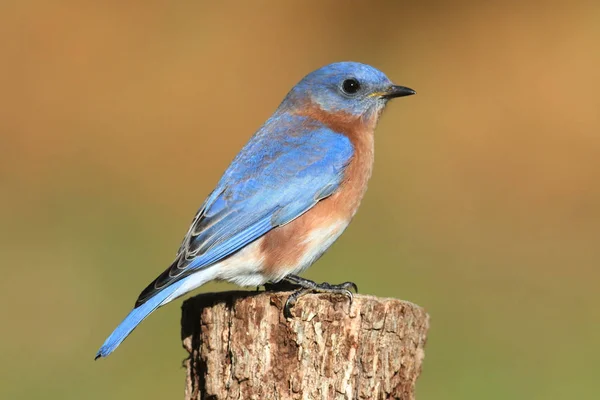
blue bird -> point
(286, 197)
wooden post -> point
(242, 347)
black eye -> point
(350, 86)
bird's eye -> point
(350, 86)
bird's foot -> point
(308, 286)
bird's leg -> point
(307, 283)
(308, 286)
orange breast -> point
(303, 240)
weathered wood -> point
(242, 347)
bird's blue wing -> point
(283, 171)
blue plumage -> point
(274, 179)
(290, 164)
(133, 319)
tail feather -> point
(133, 319)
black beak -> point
(398, 91)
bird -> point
(285, 198)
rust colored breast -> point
(287, 248)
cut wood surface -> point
(242, 347)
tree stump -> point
(242, 347)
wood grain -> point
(241, 347)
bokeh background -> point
(118, 117)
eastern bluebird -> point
(286, 197)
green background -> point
(117, 119)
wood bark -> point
(242, 347)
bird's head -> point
(346, 87)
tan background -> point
(117, 118)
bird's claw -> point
(308, 286)
(291, 301)
(347, 286)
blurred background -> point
(118, 118)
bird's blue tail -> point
(133, 319)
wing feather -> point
(277, 177)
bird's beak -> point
(398, 91)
